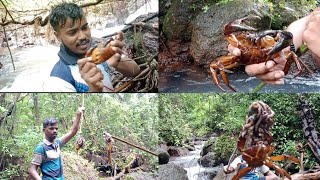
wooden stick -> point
(141, 148)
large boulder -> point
(172, 171)
(178, 151)
(208, 41)
(176, 22)
(208, 160)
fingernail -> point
(279, 75)
(270, 64)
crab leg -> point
(292, 57)
(241, 173)
(285, 157)
(222, 64)
(279, 170)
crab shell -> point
(101, 54)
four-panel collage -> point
(159, 89)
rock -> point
(177, 151)
(207, 174)
(163, 157)
(163, 147)
(140, 176)
(151, 42)
(172, 172)
(209, 160)
(221, 175)
(208, 147)
(208, 41)
(176, 22)
(189, 147)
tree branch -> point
(42, 22)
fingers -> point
(117, 43)
(114, 60)
(259, 69)
(268, 73)
(233, 50)
(91, 74)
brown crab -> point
(101, 54)
(255, 48)
(260, 154)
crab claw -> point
(89, 52)
(285, 39)
(237, 25)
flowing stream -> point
(33, 64)
(191, 165)
(192, 79)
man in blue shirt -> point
(47, 155)
(74, 72)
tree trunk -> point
(307, 175)
(309, 129)
(36, 107)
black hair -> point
(49, 121)
(62, 12)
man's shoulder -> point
(40, 148)
(62, 71)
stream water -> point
(191, 78)
(191, 165)
(33, 64)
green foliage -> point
(129, 116)
(223, 147)
(225, 114)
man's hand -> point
(270, 73)
(311, 35)
(117, 48)
(228, 170)
(91, 74)
(81, 110)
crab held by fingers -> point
(255, 48)
(101, 54)
(260, 154)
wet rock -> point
(177, 151)
(172, 172)
(208, 41)
(208, 160)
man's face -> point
(75, 35)
(51, 132)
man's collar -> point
(45, 141)
(67, 56)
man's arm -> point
(272, 73)
(311, 35)
(271, 176)
(66, 138)
(33, 171)
(128, 67)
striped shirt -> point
(48, 156)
